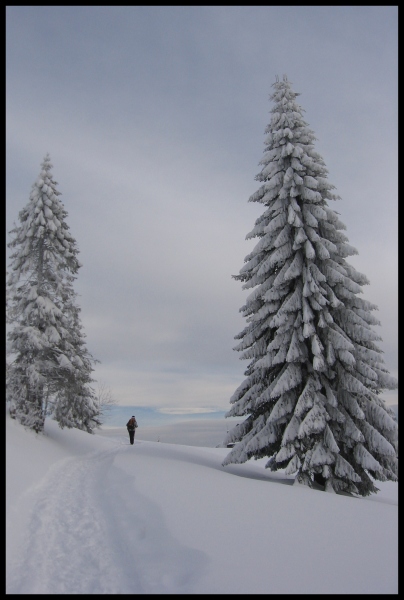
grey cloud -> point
(154, 118)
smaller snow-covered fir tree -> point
(312, 393)
(50, 370)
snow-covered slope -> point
(90, 514)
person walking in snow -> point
(131, 427)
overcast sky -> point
(154, 119)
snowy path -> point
(94, 515)
(77, 550)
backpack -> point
(132, 423)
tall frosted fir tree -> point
(311, 396)
(50, 370)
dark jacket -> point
(131, 424)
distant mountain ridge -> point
(118, 416)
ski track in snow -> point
(90, 531)
(75, 550)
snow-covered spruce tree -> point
(311, 395)
(50, 370)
